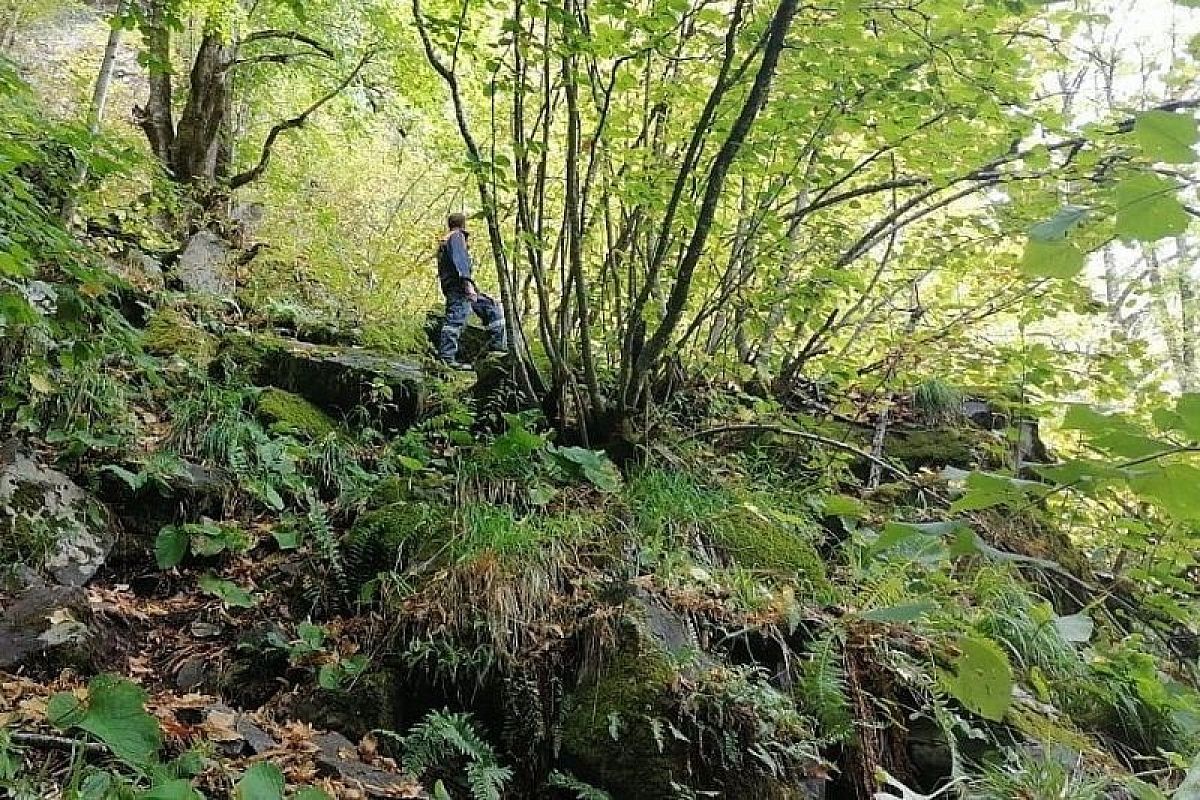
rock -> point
(140, 270)
(42, 619)
(338, 757)
(170, 333)
(336, 379)
(640, 690)
(256, 738)
(192, 674)
(46, 518)
(247, 219)
(205, 266)
(289, 413)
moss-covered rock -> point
(339, 379)
(608, 731)
(755, 541)
(290, 413)
(47, 522)
(170, 333)
(931, 448)
(619, 727)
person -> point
(462, 296)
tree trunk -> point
(157, 119)
(197, 143)
(781, 22)
(99, 102)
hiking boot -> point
(458, 366)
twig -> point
(58, 742)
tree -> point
(196, 148)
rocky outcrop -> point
(47, 521)
(337, 380)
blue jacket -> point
(454, 263)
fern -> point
(823, 688)
(327, 544)
(487, 780)
(443, 740)
(582, 791)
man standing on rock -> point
(462, 297)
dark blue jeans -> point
(458, 309)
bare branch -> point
(264, 157)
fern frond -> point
(583, 791)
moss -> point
(292, 414)
(765, 544)
(170, 333)
(27, 532)
(943, 447)
(392, 536)
(628, 694)
(249, 353)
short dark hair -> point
(456, 221)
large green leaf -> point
(1172, 487)
(172, 790)
(1188, 410)
(1167, 136)
(1051, 259)
(982, 679)
(1148, 208)
(229, 592)
(170, 546)
(115, 713)
(261, 782)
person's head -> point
(457, 222)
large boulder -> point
(335, 379)
(49, 522)
(206, 265)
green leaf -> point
(986, 490)
(1047, 259)
(65, 710)
(905, 612)
(1172, 487)
(170, 546)
(329, 676)
(982, 679)
(1148, 208)
(1188, 409)
(840, 505)
(228, 592)
(310, 793)
(288, 538)
(1056, 228)
(172, 790)
(261, 782)
(594, 465)
(115, 713)
(1167, 136)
